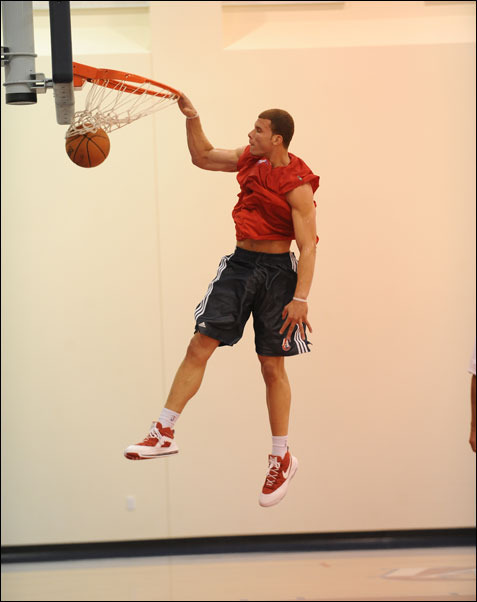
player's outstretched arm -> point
(202, 152)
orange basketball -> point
(88, 150)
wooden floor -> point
(418, 575)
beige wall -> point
(102, 268)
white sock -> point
(168, 418)
(279, 446)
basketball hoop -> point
(116, 98)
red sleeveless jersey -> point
(262, 211)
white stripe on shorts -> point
(200, 309)
(294, 261)
(300, 343)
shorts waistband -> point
(255, 256)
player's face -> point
(261, 137)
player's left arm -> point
(304, 223)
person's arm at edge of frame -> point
(472, 404)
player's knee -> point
(272, 369)
(201, 348)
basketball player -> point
(261, 277)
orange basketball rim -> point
(116, 98)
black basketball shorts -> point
(252, 283)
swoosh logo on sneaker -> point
(285, 474)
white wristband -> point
(194, 116)
(298, 299)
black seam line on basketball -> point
(76, 150)
(90, 140)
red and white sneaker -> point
(280, 473)
(159, 442)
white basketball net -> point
(112, 104)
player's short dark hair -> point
(282, 124)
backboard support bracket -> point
(18, 58)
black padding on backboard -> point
(61, 50)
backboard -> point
(62, 61)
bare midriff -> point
(265, 246)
